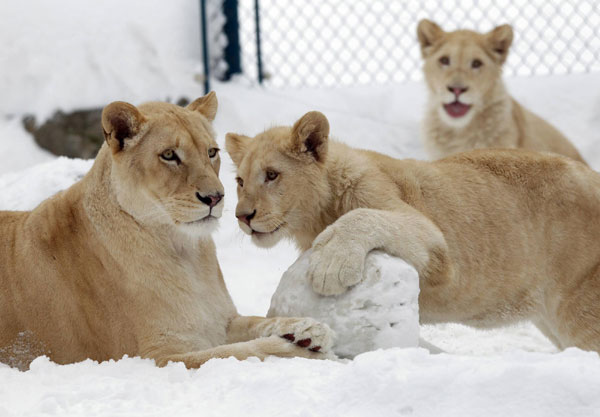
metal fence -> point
(291, 43)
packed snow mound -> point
(380, 312)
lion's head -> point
(281, 180)
(165, 163)
(462, 68)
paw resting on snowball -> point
(379, 312)
(305, 332)
(336, 262)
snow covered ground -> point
(509, 371)
(56, 59)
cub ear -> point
(310, 134)
(206, 106)
(121, 122)
(499, 40)
(236, 146)
(428, 34)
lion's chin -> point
(267, 240)
(199, 228)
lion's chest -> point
(198, 306)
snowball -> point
(380, 312)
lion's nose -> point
(457, 90)
(210, 200)
(245, 218)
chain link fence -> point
(293, 43)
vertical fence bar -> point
(258, 48)
(231, 28)
(205, 55)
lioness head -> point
(462, 68)
(280, 176)
(165, 163)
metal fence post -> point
(258, 49)
(205, 52)
(231, 28)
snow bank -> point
(78, 54)
(394, 382)
(380, 312)
(24, 190)
(18, 150)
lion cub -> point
(496, 236)
(468, 106)
(122, 262)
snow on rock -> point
(380, 312)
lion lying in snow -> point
(122, 263)
(496, 236)
(468, 106)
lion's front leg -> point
(339, 252)
(260, 348)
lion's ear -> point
(121, 122)
(310, 135)
(428, 34)
(499, 40)
(236, 146)
(206, 106)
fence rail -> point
(291, 43)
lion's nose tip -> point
(210, 200)
(245, 218)
(457, 90)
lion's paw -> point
(336, 263)
(306, 333)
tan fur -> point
(495, 120)
(122, 262)
(496, 236)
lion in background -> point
(469, 106)
(122, 262)
(496, 236)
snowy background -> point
(68, 55)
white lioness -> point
(122, 262)
(468, 106)
(496, 236)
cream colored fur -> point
(494, 120)
(496, 236)
(122, 262)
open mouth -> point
(456, 108)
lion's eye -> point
(240, 181)
(444, 60)
(170, 155)
(476, 63)
(212, 152)
(271, 175)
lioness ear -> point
(120, 122)
(310, 135)
(499, 40)
(207, 105)
(236, 146)
(428, 34)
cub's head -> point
(281, 179)
(165, 163)
(462, 68)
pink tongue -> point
(457, 109)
